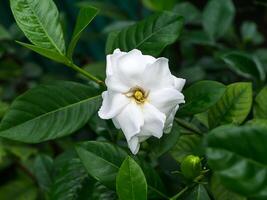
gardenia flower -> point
(142, 96)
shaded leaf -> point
(244, 65)
(46, 53)
(42, 169)
(164, 144)
(68, 177)
(217, 17)
(198, 193)
(86, 15)
(220, 192)
(238, 157)
(186, 145)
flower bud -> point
(191, 166)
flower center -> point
(138, 94)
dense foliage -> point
(53, 144)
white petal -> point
(112, 105)
(154, 121)
(112, 61)
(166, 99)
(179, 83)
(157, 75)
(115, 83)
(169, 120)
(134, 145)
(130, 120)
(132, 65)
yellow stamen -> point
(138, 94)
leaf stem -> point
(158, 192)
(180, 193)
(85, 73)
(188, 126)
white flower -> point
(142, 96)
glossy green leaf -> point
(39, 20)
(150, 36)
(217, 17)
(46, 53)
(198, 193)
(186, 145)
(86, 15)
(233, 107)
(164, 144)
(238, 156)
(68, 177)
(244, 65)
(220, 192)
(107, 159)
(49, 111)
(260, 106)
(130, 181)
(200, 97)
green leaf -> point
(107, 9)
(42, 169)
(233, 107)
(164, 144)
(200, 97)
(19, 189)
(217, 17)
(156, 188)
(238, 156)
(220, 192)
(244, 65)
(49, 111)
(150, 36)
(68, 177)
(198, 193)
(3, 108)
(190, 12)
(260, 106)
(4, 35)
(131, 182)
(107, 159)
(159, 5)
(186, 145)
(39, 20)
(46, 53)
(250, 33)
(86, 15)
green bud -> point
(191, 167)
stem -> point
(188, 126)
(85, 73)
(158, 192)
(180, 193)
